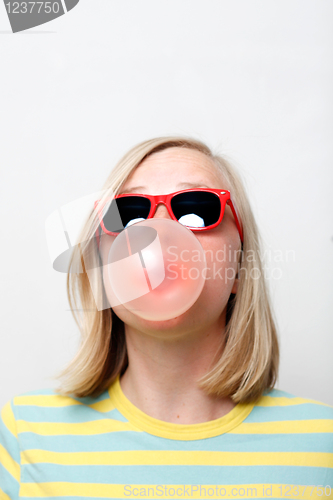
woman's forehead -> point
(184, 156)
(178, 163)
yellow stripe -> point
(8, 418)
(11, 466)
(145, 457)
(4, 495)
(77, 429)
(273, 401)
(58, 401)
(89, 490)
(285, 427)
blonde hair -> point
(247, 363)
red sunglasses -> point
(198, 209)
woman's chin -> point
(151, 322)
(161, 322)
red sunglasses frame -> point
(165, 199)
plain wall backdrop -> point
(253, 79)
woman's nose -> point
(162, 212)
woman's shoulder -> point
(285, 412)
(278, 397)
(48, 405)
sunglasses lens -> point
(131, 209)
(196, 208)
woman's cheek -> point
(221, 265)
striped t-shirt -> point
(59, 447)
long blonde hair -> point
(248, 363)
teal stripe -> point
(9, 442)
(8, 483)
(127, 441)
(175, 474)
(306, 411)
(116, 415)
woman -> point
(184, 407)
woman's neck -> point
(162, 374)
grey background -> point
(251, 78)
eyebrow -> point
(181, 185)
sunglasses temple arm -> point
(239, 227)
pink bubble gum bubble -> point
(156, 269)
